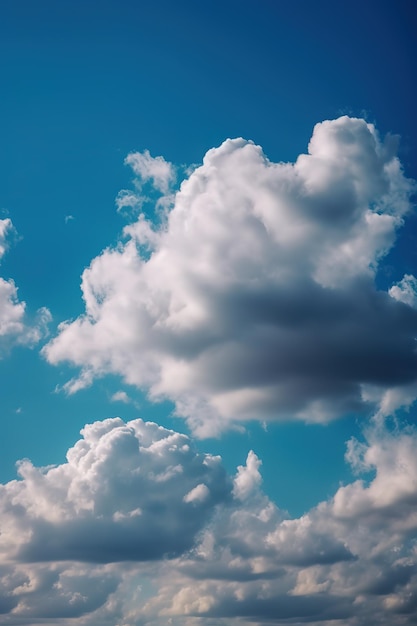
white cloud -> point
(197, 494)
(122, 495)
(155, 169)
(6, 227)
(120, 396)
(11, 310)
(128, 200)
(405, 290)
(14, 328)
(139, 528)
(158, 174)
(248, 477)
(254, 297)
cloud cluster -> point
(13, 325)
(139, 528)
(255, 296)
(352, 558)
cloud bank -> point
(14, 328)
(255, 297)
(138, 527)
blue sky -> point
(240, 293)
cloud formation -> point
(137, 528)
(14, 328)
(255, 297)
(128, 492)
(352, 558)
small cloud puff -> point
(197, 494)
(120, 396)
(154, 169)
(248, 477)
(405, 290)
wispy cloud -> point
(151, 169)
(150, 172)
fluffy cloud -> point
(128, 492)
(139, 528)
(255, 296)
(406, 290)
(13, 326)
(352, 558)
(71, 534)
(120, 396)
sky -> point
(208, 313)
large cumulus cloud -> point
(255, 297)
(139, 528)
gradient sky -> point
(240, 293)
